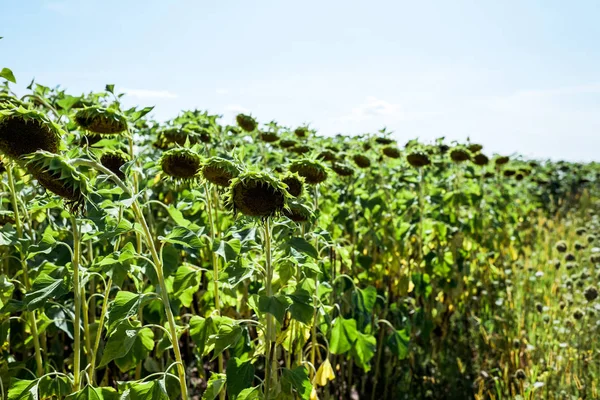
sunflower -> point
(294, 183)
(246, 122)
(418, 159)
(327, 155)
(287, 143)
(312, 171)
(257, 194)
(56, 175)
(114, 160)
(459, 154)
(24, 132)
(480, 159)
(268, 137)
(220, 171)
(361, 160)
(391, 151)
(301, 131)
(101, 120)
(342, 169)
(297, 212)
(180, 163)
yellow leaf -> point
(313, 394)
(324, 373)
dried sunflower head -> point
(418, 159)
(178, 136)
(391, 151)
(257, 194)
(300, 149)
(384, 140)
(475, 148)
(480, 159)
(591, 293)
(312, 171)
(180, 163)
(294, 183)
(114, 160)
(501, 160)
(342, 169)
(268, 136)
(297, 212)
(327, 155)
(301, 131)
(220, 171)
(361, 160)
(561, 246)
(459, 154)
(56, 175)
(104, 121)
(246, 122)
(24, 132)
(287, 143)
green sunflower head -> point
(104, 121)
(287, 143)
(220, 171)
(24, 132)
(300, 149)
(176, 136)
(294, 183)
(297, 211)
(246, 122)
(114, 160)
(384, 140)
(180, 163)
(312, 171)
(257, 194)
(475, 148)
(58, 176)
(501, 160)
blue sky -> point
(517, 76)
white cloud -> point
(236, 108)
(150, 94)
(373, 107)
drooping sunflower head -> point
(475, 148)
(300, 149)
(301, 131)
(257, 194)
(246, 122)
(114, 160)
(391, 151)
(287, 143)
(418, 159)
(177, 136)
(8, 101)
(180, 163)
(342, 169)
(327, 155)
(312, 171)
(24, 132)
(56, 175)
(104, 121)
(384, 140)
(294, 183)
(199, 133)
(480, 159)
(501, 160)
(268, 136)
(220, 171)
(297, 211)
(361, 160)
(460, 154)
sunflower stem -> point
(77, 299)
(270, 339)
(19, 229)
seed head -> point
(581, 231)
(579, 246)
(220, 171)
(257, 194)
(480, 159)
(327, 155)
(384, 140)
(361, 160)
(300, 149)
(391, 151)
(520, 375)
(561, 246)
(301, 131)
(578, 314)
(459, 154)
(114, 160)
(101, 120)
(24, 132)
(180, 163)
(269, 136)
(313, 172)
(342, 169)
(501, 160)
(590, 238)
(418, 159)
(287, 143)
(570, 257)
(591, 293)
(294, 183)
(297, 212)
(246, 122)
(509, 172)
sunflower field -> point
(191, 259)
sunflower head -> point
(220, 171)
(501, 160)
(300, 149)
(509, 172)
(297, 212)
(391, 151)
(199, 133)
(180, 163)
(418, 159)
(268, 136)
(177, 136)
(480, 159)
(475, 148)
(24, 132)
(327, 155)
(8, 101)
(301, 131)
(287, 143)
(56, 175)
(104, 121)
(361, 160)
(312, 171)
(114, 160)
(246, 122)
(257, 194)
(294, 183)
(384, 140)
(342, 169)
(459, 154)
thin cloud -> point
(236, 108)
(150, 94)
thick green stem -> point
(99, 333)
(32, 321)
(77, 299)
(164, 294)
(271, 335)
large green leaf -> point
(22, 389)
(182, 236)
(214, 386)
(200, 330)
(44, 288)
(240, 375)
(227, 249)
(8, 75)
(398, 343)
(301, 308)
(228, 336)
(363, 350)
(91, 393)
(121, 341)
(274, 305)
(150, 390)
(343, 335)
(124, 306)
(304, 247)
(297, 380)
(185, 284)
